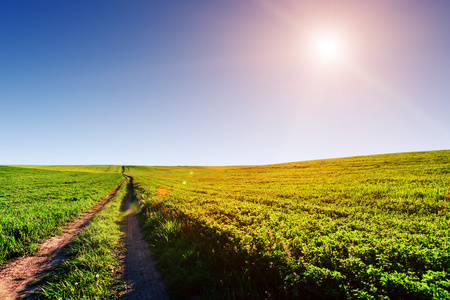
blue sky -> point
(220, 82)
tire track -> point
(143, 281)
(16, 276)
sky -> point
(223, 82)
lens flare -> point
(135, 208)
(192, 172)
(162, 191)
(184, 181)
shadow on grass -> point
(199, 262)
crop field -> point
(92, 265)
(369, 227)
(36, 201)
(79, 168)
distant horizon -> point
(241, 165)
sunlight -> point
(328, 48)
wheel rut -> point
(15, 277)
(143, 281)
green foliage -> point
(80, 168)
(34, 203)
(370, 227)
(92, 264)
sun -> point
(328, 48)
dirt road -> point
(15, 277)
(142, 279)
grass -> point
(92, 267)
(370, 227)
(79, 168)
(36, 202)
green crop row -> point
(361, 227)
(35, 203)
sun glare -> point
(328, 48)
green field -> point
(91, 269)
(79, 168)
(359, 227)
(35, 201)
(368, 227)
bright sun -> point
(328, 48)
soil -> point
(143, 281)
(15, 277)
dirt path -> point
(143, 281)
(14, 278)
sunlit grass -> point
(35, 203)
(77, 168)
(358, 227)
(91, 269)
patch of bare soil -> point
(143, 281)
(15, 277)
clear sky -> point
(223, 82)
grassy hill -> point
(77, 168)
(358, 227)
